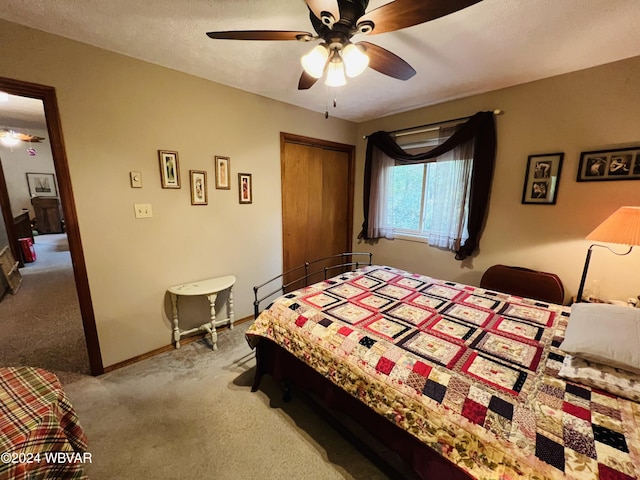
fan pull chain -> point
(326, 108)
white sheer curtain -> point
(447, 195)
(381, 197)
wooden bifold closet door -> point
(317, 199)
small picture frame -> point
(169, 169)
(198, 180)
(42, 185)
(223, 173)
(605, 165)
(245, 189)
(542, 179)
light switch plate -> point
(136, 179)
(143, 210)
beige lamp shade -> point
(623, 226)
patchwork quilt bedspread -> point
(470, 372)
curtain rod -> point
(495, 112)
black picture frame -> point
(542, 179)
(608, 165)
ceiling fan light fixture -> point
(335, 73)
(355, 60)
(315, 61)
(10, 139)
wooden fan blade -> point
(383, 61)
(319, 6)
(306, 81)
(406, 13)
(259, 35)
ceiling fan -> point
(12, 137)
(337, 21)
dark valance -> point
(479, 129)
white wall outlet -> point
(143, 210)
(136, 179)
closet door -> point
(317, 201)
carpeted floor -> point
(189, 414)
(41, 323)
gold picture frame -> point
(199, 189)
(223, 173)
(169, 169)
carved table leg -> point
(231, 315)
(214, 334)
(176, 328)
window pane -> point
(407, 196)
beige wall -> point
(588, 110)
(116, 112)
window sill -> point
(411, 238)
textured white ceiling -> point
(490, 45)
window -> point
(429, 201)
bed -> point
(40, 436)
(460, 381)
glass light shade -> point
(355, 60)
(314, 61)
(4, 97)
(623, 226)
(335, 73)
(10, 140)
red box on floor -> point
(28, 252)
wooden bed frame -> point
(284, 367)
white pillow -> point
(603, 333)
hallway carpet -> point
(41, 323)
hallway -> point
(42, 324)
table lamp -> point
(623, 226)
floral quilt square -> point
(411, 314)
(372, 301)
(537, 315)
(520, 329)
(453, 329)
(394, 291)
(442, 291)
(509, 349)
(350, 313)
(346, 290)
(504, 377)
(431, 347)
(321, 300)
(385, 328)
(468, 314)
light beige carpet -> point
(190, 414)
(41, 323)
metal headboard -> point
(307, 267)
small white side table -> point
(210, 287)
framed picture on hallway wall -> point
(169, 169)
(42, 185)
(245, 188)
(542, 178)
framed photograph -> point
(542, 178)
(42, 184)
(604, 165)
(198, 180)
(169, 169)
(245, 188)
(223, 173)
